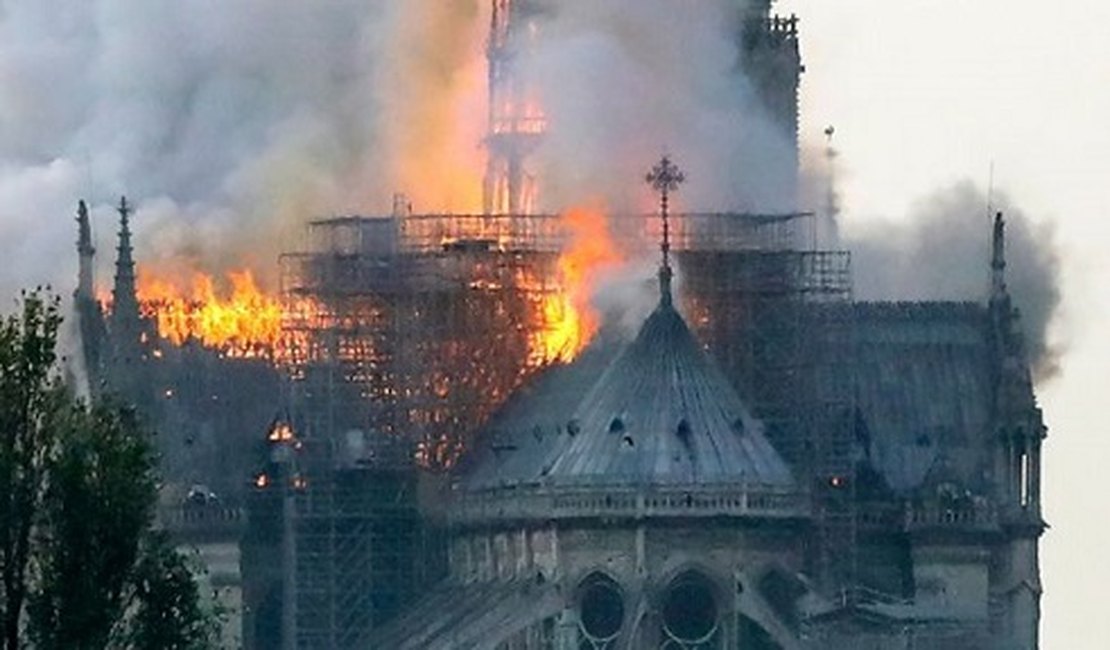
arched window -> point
(691, 615)
(600, 612)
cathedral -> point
(635, 502)
(766, 463)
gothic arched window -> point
(691, 615)
(600, 612)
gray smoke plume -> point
(941, 251)
(228, 122)
(622, 80)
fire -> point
(570, 318)
(242, 322)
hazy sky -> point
(924, 93)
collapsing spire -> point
(665, 178)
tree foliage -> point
(168, 612)
(29, 393)
(81, 568)
(97, 504)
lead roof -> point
(660, 414)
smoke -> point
(227, 122)
(622, 80)
(941, 251)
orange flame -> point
(570, 318)
(244, 322)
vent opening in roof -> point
(683, 430)
(616, 426)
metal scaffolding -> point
(354, 532)
(420, 325)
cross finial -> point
(665, 178)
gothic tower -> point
(90, 319)
(1019, 433)
(771, 62)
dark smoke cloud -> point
(941, 251)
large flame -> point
(233, 315)
(241, 320)
(570, 318)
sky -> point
(927, 93)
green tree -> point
(81, 568)
(29, 394)
(97, 505)
(168, 614)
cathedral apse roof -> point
(660, 414)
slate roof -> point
(924, 391)
(661, 414)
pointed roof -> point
(125, 305)
(661, 414)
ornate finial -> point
(124, 210)
(84, 230)
(665, 178)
